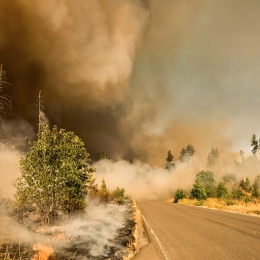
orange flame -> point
(43, 252)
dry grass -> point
(11, 251)
(252, 207)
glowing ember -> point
(43, 252)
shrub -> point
(119, 196)
(256, 187)
(245, 184)
(230, 202)
(198, 191)
(200, 203)
(180, 194)
(222, 190)
(237, 193)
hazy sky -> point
(137, 78)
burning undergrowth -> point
(102, 232)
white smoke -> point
(143, 181)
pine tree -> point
(183, 157)
(256, 187)
(254, 144)
(103, 192)
(104, 156)
(190, 150)
(186, 153)
(169, 160)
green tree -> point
(180, 194)
(55, 174)
(104, 192)
(198, 191)
(104, 156)
(183, 157)
(186, 153)
(237, 193)
(222, 190)
(169, 160)
(118, 195)
(206, 178)
(190, 150)
(256, 187)
(254, 144)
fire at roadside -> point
(105, 231)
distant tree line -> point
(205, 186)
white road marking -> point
(164, 251)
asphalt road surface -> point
(186, 232)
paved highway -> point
(185, 232)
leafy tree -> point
(169, 160)
(103, 192)
(222, 190)
(254, 144)
(206, 178)
(55, 175)
(198, 191)
(256, 187)
(186, 153)
(180, 194)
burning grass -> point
(102, 232)
(251, 207)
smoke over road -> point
(136, 78)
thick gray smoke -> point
(136, 78)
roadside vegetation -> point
(228, 193)
(56, 192)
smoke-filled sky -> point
(137, 77)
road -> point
(186, 232)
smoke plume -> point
(136, 78)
